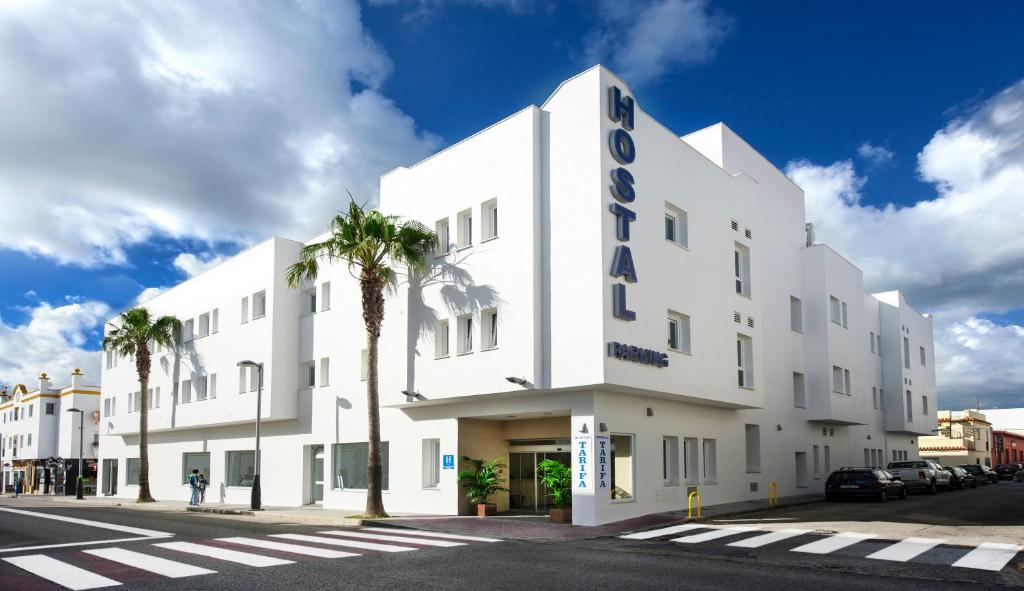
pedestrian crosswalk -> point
(174, 559)
(990, 556)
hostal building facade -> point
(649, 308)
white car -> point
(927, 475)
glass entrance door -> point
(316, 473)
(526, 492)
(109, 477)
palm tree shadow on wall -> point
(459, 292)
(178, 353)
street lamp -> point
(79, 492)
(256, 502)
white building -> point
(544, 335)
(35, 426)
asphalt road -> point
(596, 563)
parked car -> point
(922, 474)
(873, 483)
(1007, 471)
(983, 474)
(964, 479)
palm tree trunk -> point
(142, 366)
(373, 316)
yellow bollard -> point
(773, 494)
(689, 505)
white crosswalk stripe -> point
(665, 531)
(342, 542)
(393, 538)
(907, 549)
(245, 558)
(714, 535)
(292, 548)
(770, 538)
(988, 556)
(430, 534)
(62, 573)
(833, 543)
(153, 564)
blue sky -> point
(179, 134)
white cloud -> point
(55, 340)
(149, 293)
(958, 254)
(641, 40)
(127, 120)
(980, 358)
(193, 265)
(876, 155)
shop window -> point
(195, 461)
(239, 468)
(691, 460)
(670, 459)
(622, 467)
(131, 477)
(350, 465)
(431, 463)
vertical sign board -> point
(448, 462)
(583, 464)
(602, 465)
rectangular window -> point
(29, 440)
(910, 410)
(691, 459)
(815, 461)
(489, 213)
(245, 310)
(801, 469)
(741, 268)
(131, 477)
(185, 392)
(796, 314)
(325, 296)
(871, 341)
(187, 332)
(837, 379)
(243, 380)
(834, 309)
(350, 465)
(874, 396)
(49, 408)
(309, 296)
(443, 238)
(255, 379)
(465, 228)
(489, 329)
(799, 391)
(154, 398)
(431, 463)
(211, 390)
(753, 440)
(906, 352)
(325, 371)
(364, 364)
(214, 320)
(239, 468)
(676, 225)
(441, 339)
(204, 324)
(465, 334)
(622, 467)
(31, 410)
(678, 332)
(670, 459)
(195, 461)
(923, 358)
(259, 304)
(845, 317)
(744, 361)
(199, 383)
(924, 405)
(710, 461)
(307, 375)
(828, 460)
(871, 457)
(846, 383)
(878, 338)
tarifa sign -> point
(621, 110)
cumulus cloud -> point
(978, 357)
(193, 265)
(127, 120)
(427, 8)
(149, 293)
(958, 254)
(55, 339)
(876, 155)
(642, 39)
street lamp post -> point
(79, 489)
(256, 501)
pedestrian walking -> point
(18, 480)
(203, 483)
(193, 483)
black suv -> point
(872, 483)
(1007, 471)
(981, 473)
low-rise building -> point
(40, 441)
(964, 437)
(1007, 447)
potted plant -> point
(557, 478)
(482, 481)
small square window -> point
(259, 305)
(678, 332)
(465, 228)
(489, 212)
(676, 226)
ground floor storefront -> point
(52, 476)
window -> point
(741, 265)
(214, 320)
(154, 398)
(465, 334)
(801, 469)
(204, 324)
(211, 390)
(678, 332)
(796, 314)
(309, 297)
(195, 461)
(871, 341)
(243, 379)
(874, 396)
(837, 380)
(259, 305)
(325, 371)
(307, 375)
(443, 237)
(924, 405)
(364, 365)
(49, 408)
(245, 310)
(710, 462)
(199, 383)
(744, 362)
(489, 213)
(431, 463)
(690, 460)
(815, 461)
(29, 440)
(350, 465)
(185, 393)
(239, 468)
(834, 309)
(489, 329)
(910, 410)
(622, 467)
(828, 459)
(138, 401)
(670, 460)
(131, 478)
(878, 338)
(465, 229)
(799, 391)
(111, 363)
(325, 296)
(676, 226)
(845, 318)
(923, 358)
(31, 410)
(753, 438)
(846, 383)
(441, 339)
(187, 331)
(255, 379)
(906, 352)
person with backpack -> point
(203, 483)
(193, 483)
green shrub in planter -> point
(557, 477)
(483, 480)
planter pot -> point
(486, 509)
(560, 515)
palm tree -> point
(370, 243)
(132, 339)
